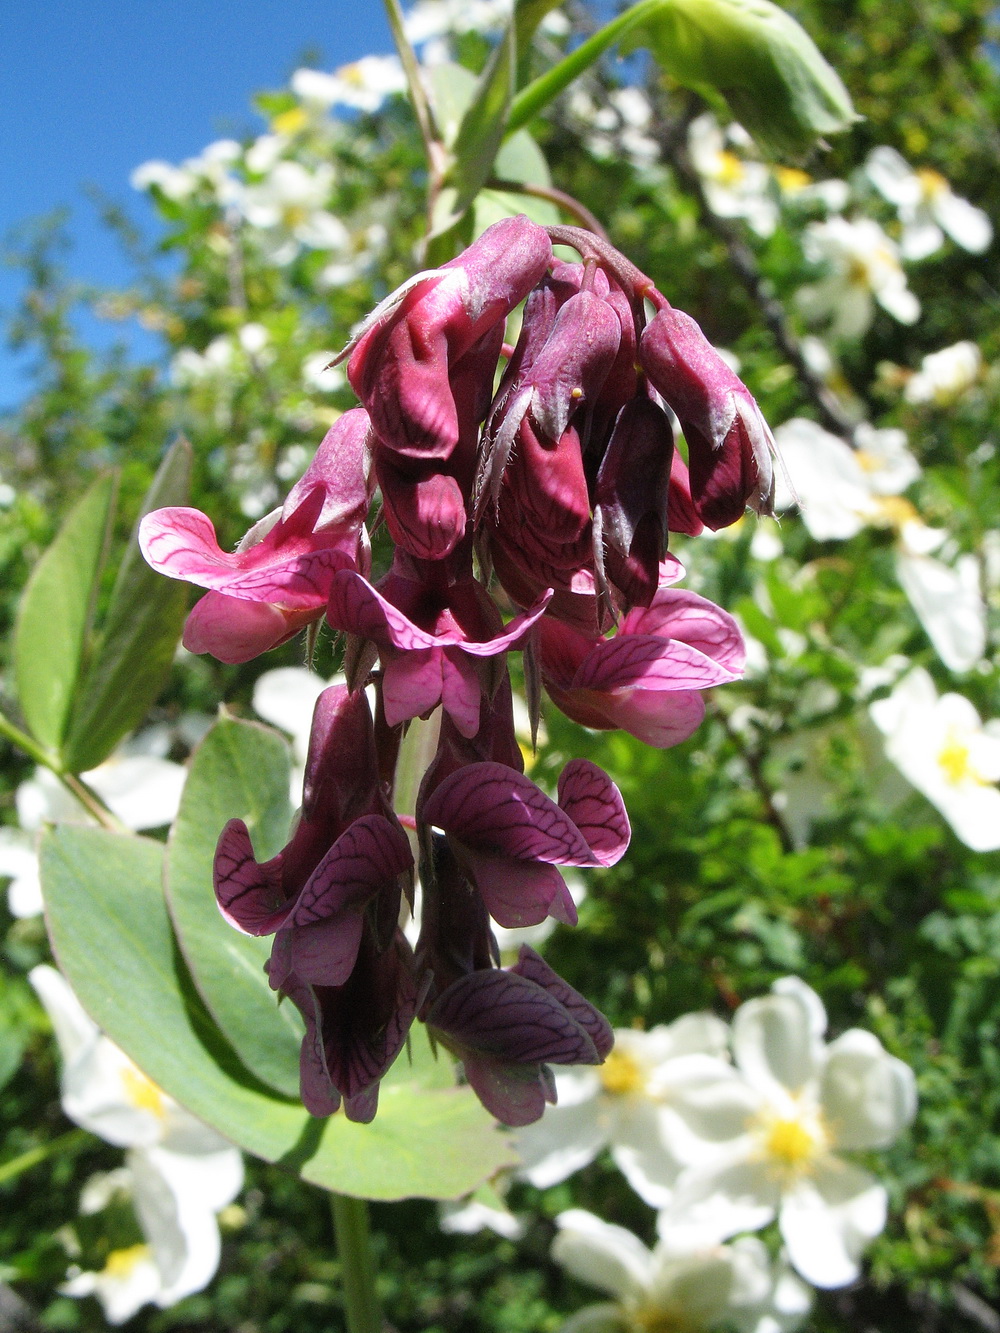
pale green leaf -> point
(54, 617)
(239, 771)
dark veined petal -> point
(249, 894)
(529, 964)
(596, 807)
(372, 852)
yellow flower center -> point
(955, 759)
(790, 1143)
(894, 511)
(121, 1263)
(932, 182)
(621, 1074)
(290, 122)
(729, 170)
(142, 1093)
(658, 1319)
(791, 179)
(353, 74)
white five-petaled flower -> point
(927, 207)
(635, 1103)
(841, 490)
(675, 1288)
(779, 1118)
(940, 745)
(363, 85)
(735, 185)
(863, 268)
(179, 1172)
(945, 376)
(947, 598)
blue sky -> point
(92, 89)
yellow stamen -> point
(932, 182)
(790, 1143)
(290, 122)
(729, 170)
(955, 758)
(657, 1319)
(791, 179)
(894, 511)
(621, 1074)
(142, 1092)
(121, 1263)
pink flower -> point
(647, 678)
(729, 444)
(433, 651)
(278, 580)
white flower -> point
(363, 85)
(630, 1104)
(927, 207)
(942, 747)
(179, 1172)
(472, 1216)
(734, 186)
(431, 19)
(176, 183)
(944, 376)
(778, 1119)
(798, 187)
(863, 267)
(841, 490)
(319, 376)
(139, 787)
(686, 1288)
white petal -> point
(868, 1096)
(603, 1318)
(713, 1203)
(705, 1103)
(143, 791)
(75, 1031)
(900, 302)
(920, 238)
(287, 696)
(826, 1222)
(967, 225)
(466, 1219)
(775, 1042)
(130, 1281)
(892, 175)
(603, 1255)
(948, 604)
(641, 1149)
(568, 1136)
(695, 1289)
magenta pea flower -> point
(508, 836)
(414, 344)
(507, 1026)
(439, 660)
(279, 577)
(648, 678)
(730, 446)
(347, 849)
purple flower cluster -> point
(564, 483)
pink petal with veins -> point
(645, 661)
(595, 805)
(235, 631)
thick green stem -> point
(530, 100)
(69, 1142)
(350, 1225)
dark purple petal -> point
(371, 853)
(322, 954)
(490, 808)
(515, 1094)
(250, 895)
(506, 1015)
(596, 807)
(521, 893)
(529, 964)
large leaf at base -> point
(240, 771)
(111, 934)
(132, 658)
(55, 613)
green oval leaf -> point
(56, 610)
(240, 771)
(132, 658)
(111, 934)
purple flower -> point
(729, 444)
(278, 579)
(508, 836)
(433, 651)
(647, 678)
(444, 324)
(507, 1027)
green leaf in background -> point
(134, 653)
(239, 771)
(519, 159)
(50, 636)
(111, 934)
(756, 59)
